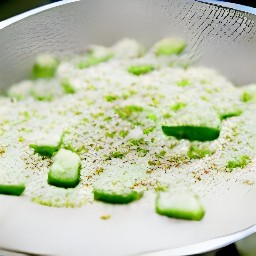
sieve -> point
(220, 37)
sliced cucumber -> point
(45, 66)
(230, 114)
(93, 61)
(140, 69)
(65, 170)
(179, 205)
(14, 190)
(200, 133)
(116, 197)
(48, 146)
(44, 150)
(169, 46)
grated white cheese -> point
(132, 150)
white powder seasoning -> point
(113, 120)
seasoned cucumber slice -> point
(191, 133)
(93, 61)
(65, 170)
(14, 190)
(45, 66)
(140, 69)
(44, 150)
(116, 197)
(180, 205)
(48, 146)
(227, 115)
(169, 46)
(192, 123)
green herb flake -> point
(140, 69)
(184, 83)
(137, 142)
(67, 87)
(167, 115)
(231, 114)
(152, 117)
(123, 133)
(240, 161)
(117, 154)
(198, 152)
(26, 115)
(93, 61)
(111, 98)
(178, 106)
(110, 134)
(246, 97)
(108, 118)
(142, 152)
(127, 111)
(41, 97)
(161, 154)
(105, 217)
(149, 130)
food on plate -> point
(120, 123)
(179, 204)
(14, 190)
(45, 66)
(65, 170)
(123, 196)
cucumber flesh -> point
(184, 205)
(116, 197)
(14, 190)
(200, 133)
(65, 170)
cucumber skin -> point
(177, 214)
(57, 182)
(192, 133)
(13, 190)
(113, 198)
(43, 72)
(44, 150)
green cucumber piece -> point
(169, 46)
(93, 61)
(45, 66)
(67, 86)
(140, 69)
(116, 197)
(13, 190)
(65, 170)
(179, 205)
(230, 114)
(189, 132)
(44, 150)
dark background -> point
(9, 8)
